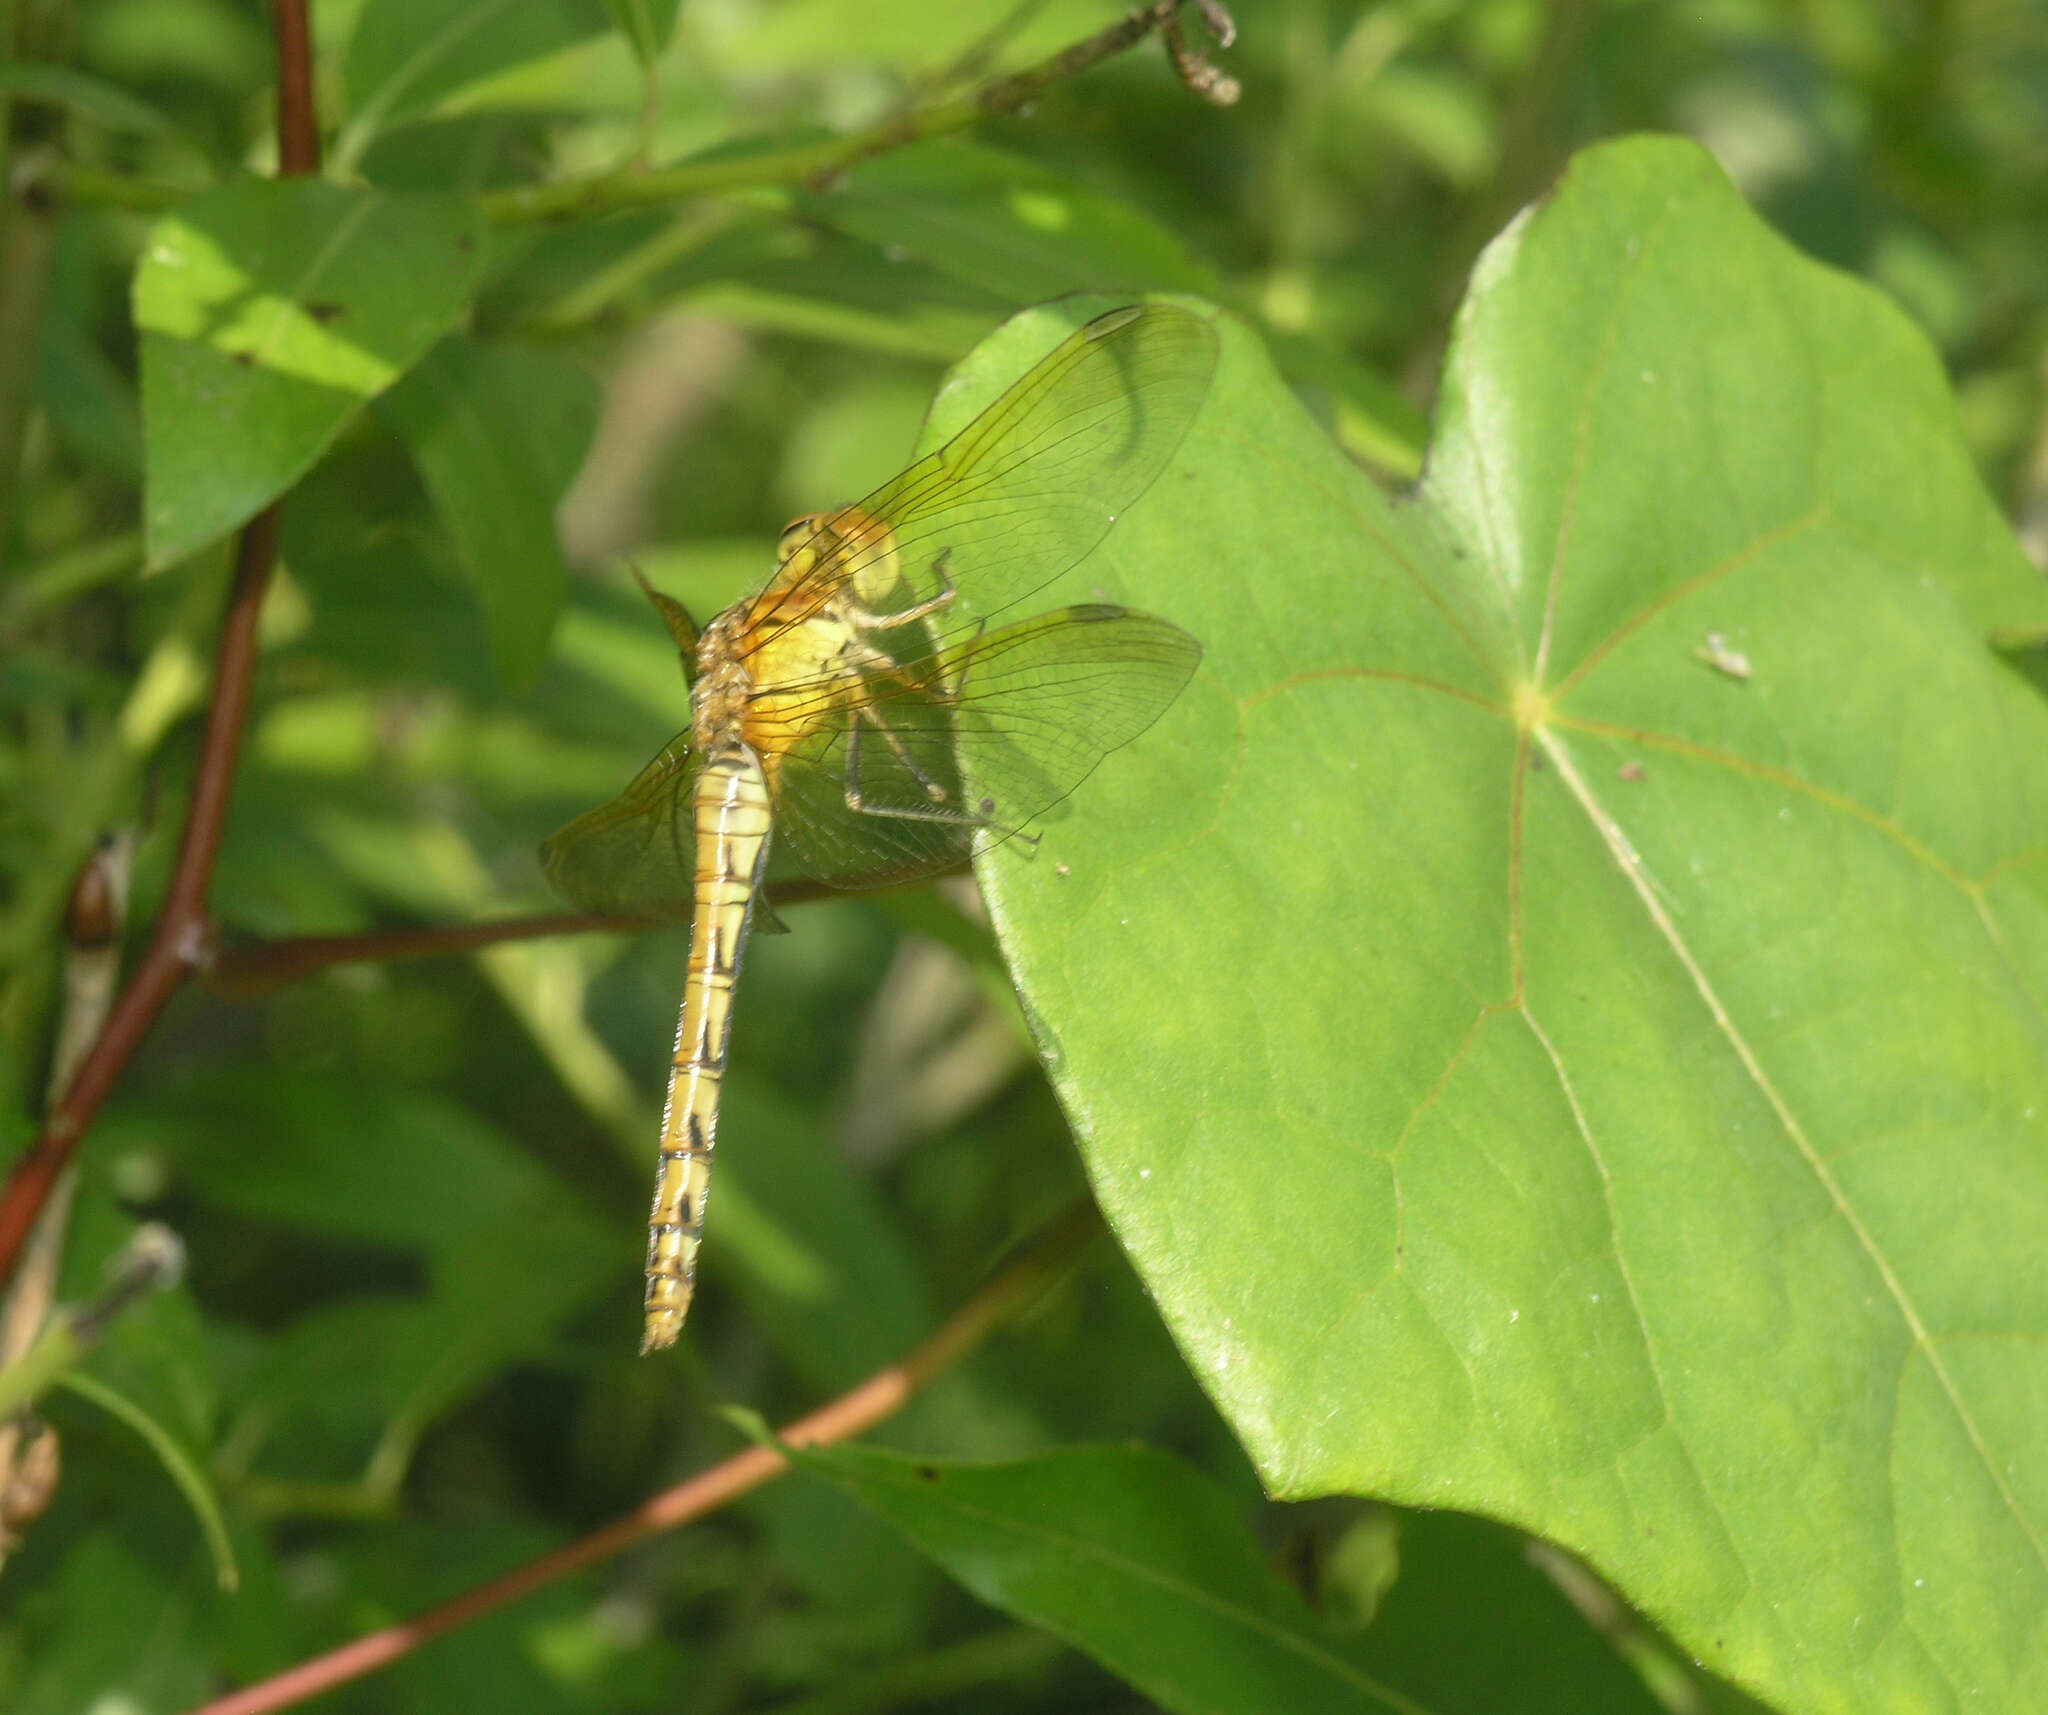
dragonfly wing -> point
(898, 762)
(1027, 489)
(635, 856)
(992, 734)
(1040, 704)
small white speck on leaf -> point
(1717, 655)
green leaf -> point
(355, 1161)
(509, 1252)
(407, 56)
(89, 97)
(1125, 1553)
(1006, 224)
(647, 25)
(270, 313)
(389, 603)
(497, 433)
(1142, 1562)
(109, 1631)
(90, 402)
(848, 1300)
(1578, 1082)
(1471, 1623)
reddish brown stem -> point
(298, 127)
(880, 1396)
(246, 972)
(177, 942)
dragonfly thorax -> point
(723, 687)
(771, 682)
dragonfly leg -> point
(932, 789)
(983, 815)
(917, 610)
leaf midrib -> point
(1609, 830)
(1138, 1572)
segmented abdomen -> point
(731, 811)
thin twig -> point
(882, 1395)
(559, 199)
(250, 971)
(75, 184)
(257, 968)
(178, 940)
(298, 126)
(152, 1261)
(973, 60)
(819, 163)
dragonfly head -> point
(851, 550)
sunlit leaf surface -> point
(270, 312)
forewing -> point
(1031, 710)
(1027, 489)
(632, 857)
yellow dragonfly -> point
(862, 708)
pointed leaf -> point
(270, 312)
(408, 56)
(497, 433)
(646, 25)
(1138, 1559)
(1007, 225)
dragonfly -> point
(876, 707)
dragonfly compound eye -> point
(796, 536)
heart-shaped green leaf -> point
(1555, 1012)
(271, 311)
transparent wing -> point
(991, 733)
(1027, 489)
(632, 857)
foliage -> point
(1552, 1015)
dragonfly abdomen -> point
(731, 819)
